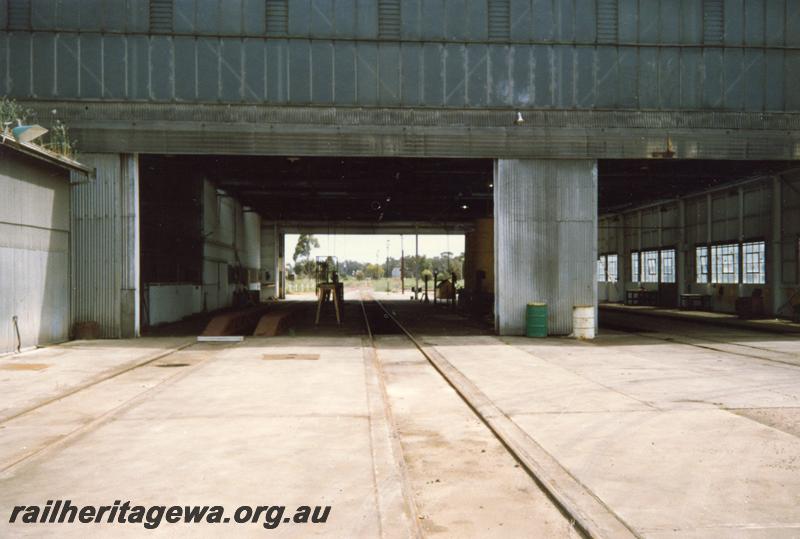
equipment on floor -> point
(328, 285)
(536, 320)
(752, 306)
(325, 291)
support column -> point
(684, 260)
(251, 258)
(130, 298)
(478, 256)
(270, 273)
(545, 240)
(774, 262)
(105, 246)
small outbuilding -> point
(34, 244)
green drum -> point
(536, 320)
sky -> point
(372, 247)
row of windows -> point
(729, 263)
(646, 266)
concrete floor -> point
(693, 432)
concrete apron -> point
(676, 440)
(225, 427)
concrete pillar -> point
(270, 273)
(774, 262)
(684, 260)
(545, 240)
(623, 260)
(251, 259)
(709, 236)
(105, 246)
(740, 287)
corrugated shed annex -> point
(34, 245)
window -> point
(668, 265)
(601, 269)
(612, 269)
(607, 269)
(635, 275)
(701, 264)
(725, 263)
(753, 256)
(649, 266)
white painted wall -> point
(218, 247)
(34, 252)
(173, 302)
(232, 237)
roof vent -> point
(277, 15)
(161, 16)
(389, 18)
(19, 14)
(499, 19)
(713, 21)
(607, 21)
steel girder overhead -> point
(591, 78)
(369, 191)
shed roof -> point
(44, 154)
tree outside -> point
(305, 243)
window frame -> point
(763, 262)
(616, 268)
(647, 277)
(636, 256)
(661, 272)
(707, 273)
(601, 273)
(737, 267)
(602, 259)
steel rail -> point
(588, 515)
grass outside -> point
(379, 285)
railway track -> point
(587, 514)
(79, 422)
(706, 342)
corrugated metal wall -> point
(546, 240)
(549, 54)
(34, 252)
(105, 246)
